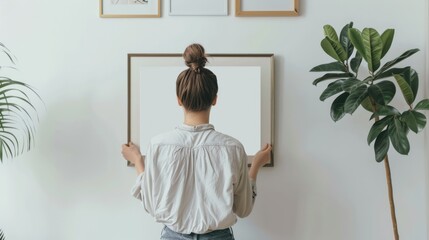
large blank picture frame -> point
(266, 8)
(244, 109)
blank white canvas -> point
(237, 112)
(198, 7)
(267, 5)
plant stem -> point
(389, 183)
(390, 192)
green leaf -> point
(355, 62)
(385, 110)
(337, 107)
(398, 136)
(345, 41)
(415, 121)
(422, 105)
(331, 48)
(390, 73)
(395, 61)
(410, 75)
(375, 92)
(405, 88)
(332, 89)
(357, 41)
(330, 33)
(373, 48)
(16, 117)
(355, 99)
(366, 104)
(387, 39)
(351, 83)
(2, 236)
(377, 127)
(8, 53)
(381, 146)
(331, 76)
(388, 90)
(382, 92)
(330, 67)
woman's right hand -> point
(131, 153)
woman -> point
(194, 179)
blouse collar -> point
(197, 128)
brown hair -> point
(196, 86)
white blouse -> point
(195, 180)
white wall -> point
(325, 184)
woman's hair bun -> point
(195, 57)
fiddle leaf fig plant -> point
(372, 87)
(17, 112)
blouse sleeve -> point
(136, 191)
(245, 190)
(143, 187)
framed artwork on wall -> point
(198, 8)
(153, 108)
(130, 8)
(266, 8)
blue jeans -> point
(223, 234)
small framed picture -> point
(198, 8)
(130, 8)
(266, 8)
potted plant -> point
(373, 91)
(17, 113)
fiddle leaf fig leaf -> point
(334, 49)
(381, 146)
(345, 41)
(355, 99)
(385, 111)
(355, 62)
(412, 78)
(373, 48)
(388, 89)
(422, 105)
(377, 128)
(367, 105)
(331, 76)
(405, 88)
(337, 107)
(330, 67)
(390, 73)
(376, 93)
(415, 121)
(382, 92)
(398, 136)
(355, 37)
(351, 83)
(395, 61)
(330, 33)
(387, 39)
(332, 89)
